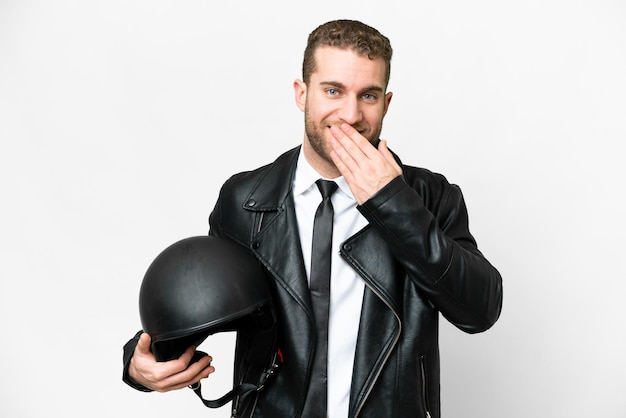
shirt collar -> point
(306, 176)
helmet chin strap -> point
(241, 390)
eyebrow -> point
(373, 87)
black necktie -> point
(316, 404)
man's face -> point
(345, 87)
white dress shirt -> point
(346, 287)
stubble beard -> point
(315, 137)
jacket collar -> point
(271, 192)
(272, 195)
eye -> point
(369, 96)
(332, 92)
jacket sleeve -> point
(129, 349)
(424, 221)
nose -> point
(350, 110)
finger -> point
(362, 144)
(200, 369)
(348, 141)
(175, 374)
(341, 153)
(341, 165)
(185, 358)
(349, 151)
(197, 371)
(177, 366)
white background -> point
(119, 121)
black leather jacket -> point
(417, 259)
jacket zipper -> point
(260, 222)
(369, 390)
(424, 383)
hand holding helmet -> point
(169, 375)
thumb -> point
(143, 345)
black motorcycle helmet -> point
(203, 285)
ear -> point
(387, 101)
(299, 89)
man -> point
(401, 251)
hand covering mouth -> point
(359, 129)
